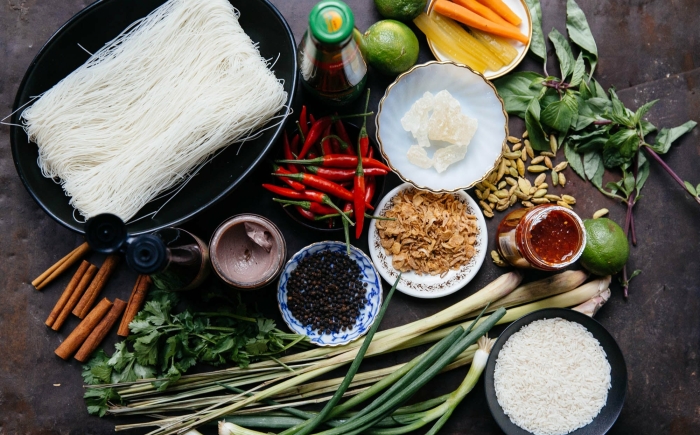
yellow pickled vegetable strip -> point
(470, 44)
(443, 41)
(497, 45)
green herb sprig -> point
(595, 128)
(164, 345)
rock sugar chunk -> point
(417, 118)
(448, 123)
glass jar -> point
(332, 67)
(547, 237)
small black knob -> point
(105, 233)
(146, 254)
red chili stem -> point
(339, 161)
(344, 136)
(326, 148)
(342, 145)
(301, 132)
(313, 207)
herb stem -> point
(602, 122)
(650, 152)
(233, 316)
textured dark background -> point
(648, 49)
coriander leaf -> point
(620, 148)
(538, 46)
(579, 71)
(643, 110)
(534, 128)
(667, 136)
(563, 50)
(146, 348)
(121, 357)
(690, 188)
(559, 114)
(580, 33)
(516, 91)
(265, 326)
(574, 160)
(97, 370)
(96, 400)
(143, 372)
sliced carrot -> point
(465, 16)
(482, 10)
(503, 10)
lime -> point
(390, 47)
(606, 250)
(402, 10)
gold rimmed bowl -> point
(478, 100)
(520, 9)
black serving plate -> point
(337, 225)
(101, 22)
(618, 372)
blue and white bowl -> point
(367, 315)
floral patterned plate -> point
(367, 315)
(428, 286)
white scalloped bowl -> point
(428, 286)
(368, 313)
(478, 99)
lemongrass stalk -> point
(536, 290)
(591, 306)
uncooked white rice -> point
(552, 377)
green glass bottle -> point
(332, 67)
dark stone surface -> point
(648, 48)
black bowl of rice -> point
(553, 372)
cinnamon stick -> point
(96, 286)
(100, 332)
(136, 300)
(77, 293)
(60, 266)
(67, 293)
(76, 338)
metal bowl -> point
(101, 22)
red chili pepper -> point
(312, 119)
(306, 195)
(294, 146)
(288, 154)
(335, 143)
(303, 122)
(319, 183)
(293, 184)
(312, 153)
(318, 127)
(340, 129)
(305, 213)
(370, 187)
(370, 153)
(336, 174)
(339, 161)
(313, 207)
(358, 190)
(326, 143)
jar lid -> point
(331, 21)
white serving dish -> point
(478, 99)
(520, 9)
(428, 286)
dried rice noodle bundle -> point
(150, 106)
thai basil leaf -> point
(596, 143)
(516, 92)
(548, 97)
(667, 136)
(580, 33)
(563, 50)
(579, 71)
(534, 128)
(598, 90)
(538, 46)
(585, 91)
(574, 160)
(643, 110)
(642, 175)
(614, 187)
(620, 114)
(591, 162)
(559, 114)
(690, 188)
(599, 105)
(585, 114)
(628, 183)
(647, 127)
(620, 148)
